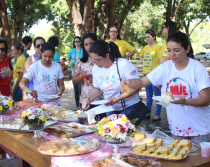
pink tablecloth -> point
(84, 160)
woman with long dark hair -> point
(169, 28)
(149, 55)
(74, 55)
(188, 80)
(83, 67)
(6, 73)
(109, 68)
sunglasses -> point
(76, 41)
(3, 49)
(37, 46)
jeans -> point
(18, 95)
(128, 110)
(149, 91)
(77, 92)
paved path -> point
(67, 101)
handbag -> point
(140, 111)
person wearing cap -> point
(47, 76)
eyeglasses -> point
(113, 31)
(3, 49)
(37, 46)
(76, 41)
(163, 27)
(96, 62)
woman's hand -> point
(59, 94)
(33, 93)
(113, 101)
(158, 86)
(71, 64)
(85, 75)
(85, 103)
(180, 101)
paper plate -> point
(159, 98)
(50, 96)
(100, 102)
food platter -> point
(159, 98)
(64, 115)
(50, 96)
(68, 147)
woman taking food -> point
(38, 43)
(6, 73)
(83, 67)
(47, 76)
(74, 55)
(149, 56)
(188, 80)
(169, 28)
(17, 50)
(108, 69)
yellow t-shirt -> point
(123, 46)
(19, 67)
(163, 52)
(150, 56)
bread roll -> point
(167, 96)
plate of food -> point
(167, 98)
(174, 151)
(70, 146)
(64, 115)
(50, 96)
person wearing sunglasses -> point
(168, 28)
(6, 73)
(55, 41)
(108, 68)
(74, 55)
(83, 68)
(47, 76)
(17, 51)
(38, 43)
(114, 36)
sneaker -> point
(167, 129)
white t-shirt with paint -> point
(109, 82)
(45, 79)
(184, 120)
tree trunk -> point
(21, 26)
(14, 28)
(5, 30)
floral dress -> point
(87, 85)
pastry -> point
(139, 135)
(162, 150)
(127, 89)
(167, 96)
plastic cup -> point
(82, 119)
(205, 149)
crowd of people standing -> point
(100, 70)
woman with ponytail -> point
(109, 68)
(188, 80)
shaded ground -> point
(68, 102)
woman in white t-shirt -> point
(47, 76)
(106, 80)
(188, 80)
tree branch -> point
(197, 25)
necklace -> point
(38, 58)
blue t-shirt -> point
(74, 56)
(56, 57)
(24, 53)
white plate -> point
(50, 96)
(100, 102)
(158, 98)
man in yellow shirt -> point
(114, 36)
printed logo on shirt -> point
(109, 82)
(179, 87)
(48, 78)
(133, 72)
(27, 71)
(166, 52)
(5, 72)
(18, 67)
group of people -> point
(100, 70)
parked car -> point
(202, 55)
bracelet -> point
(89, 99)
(81, 76)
